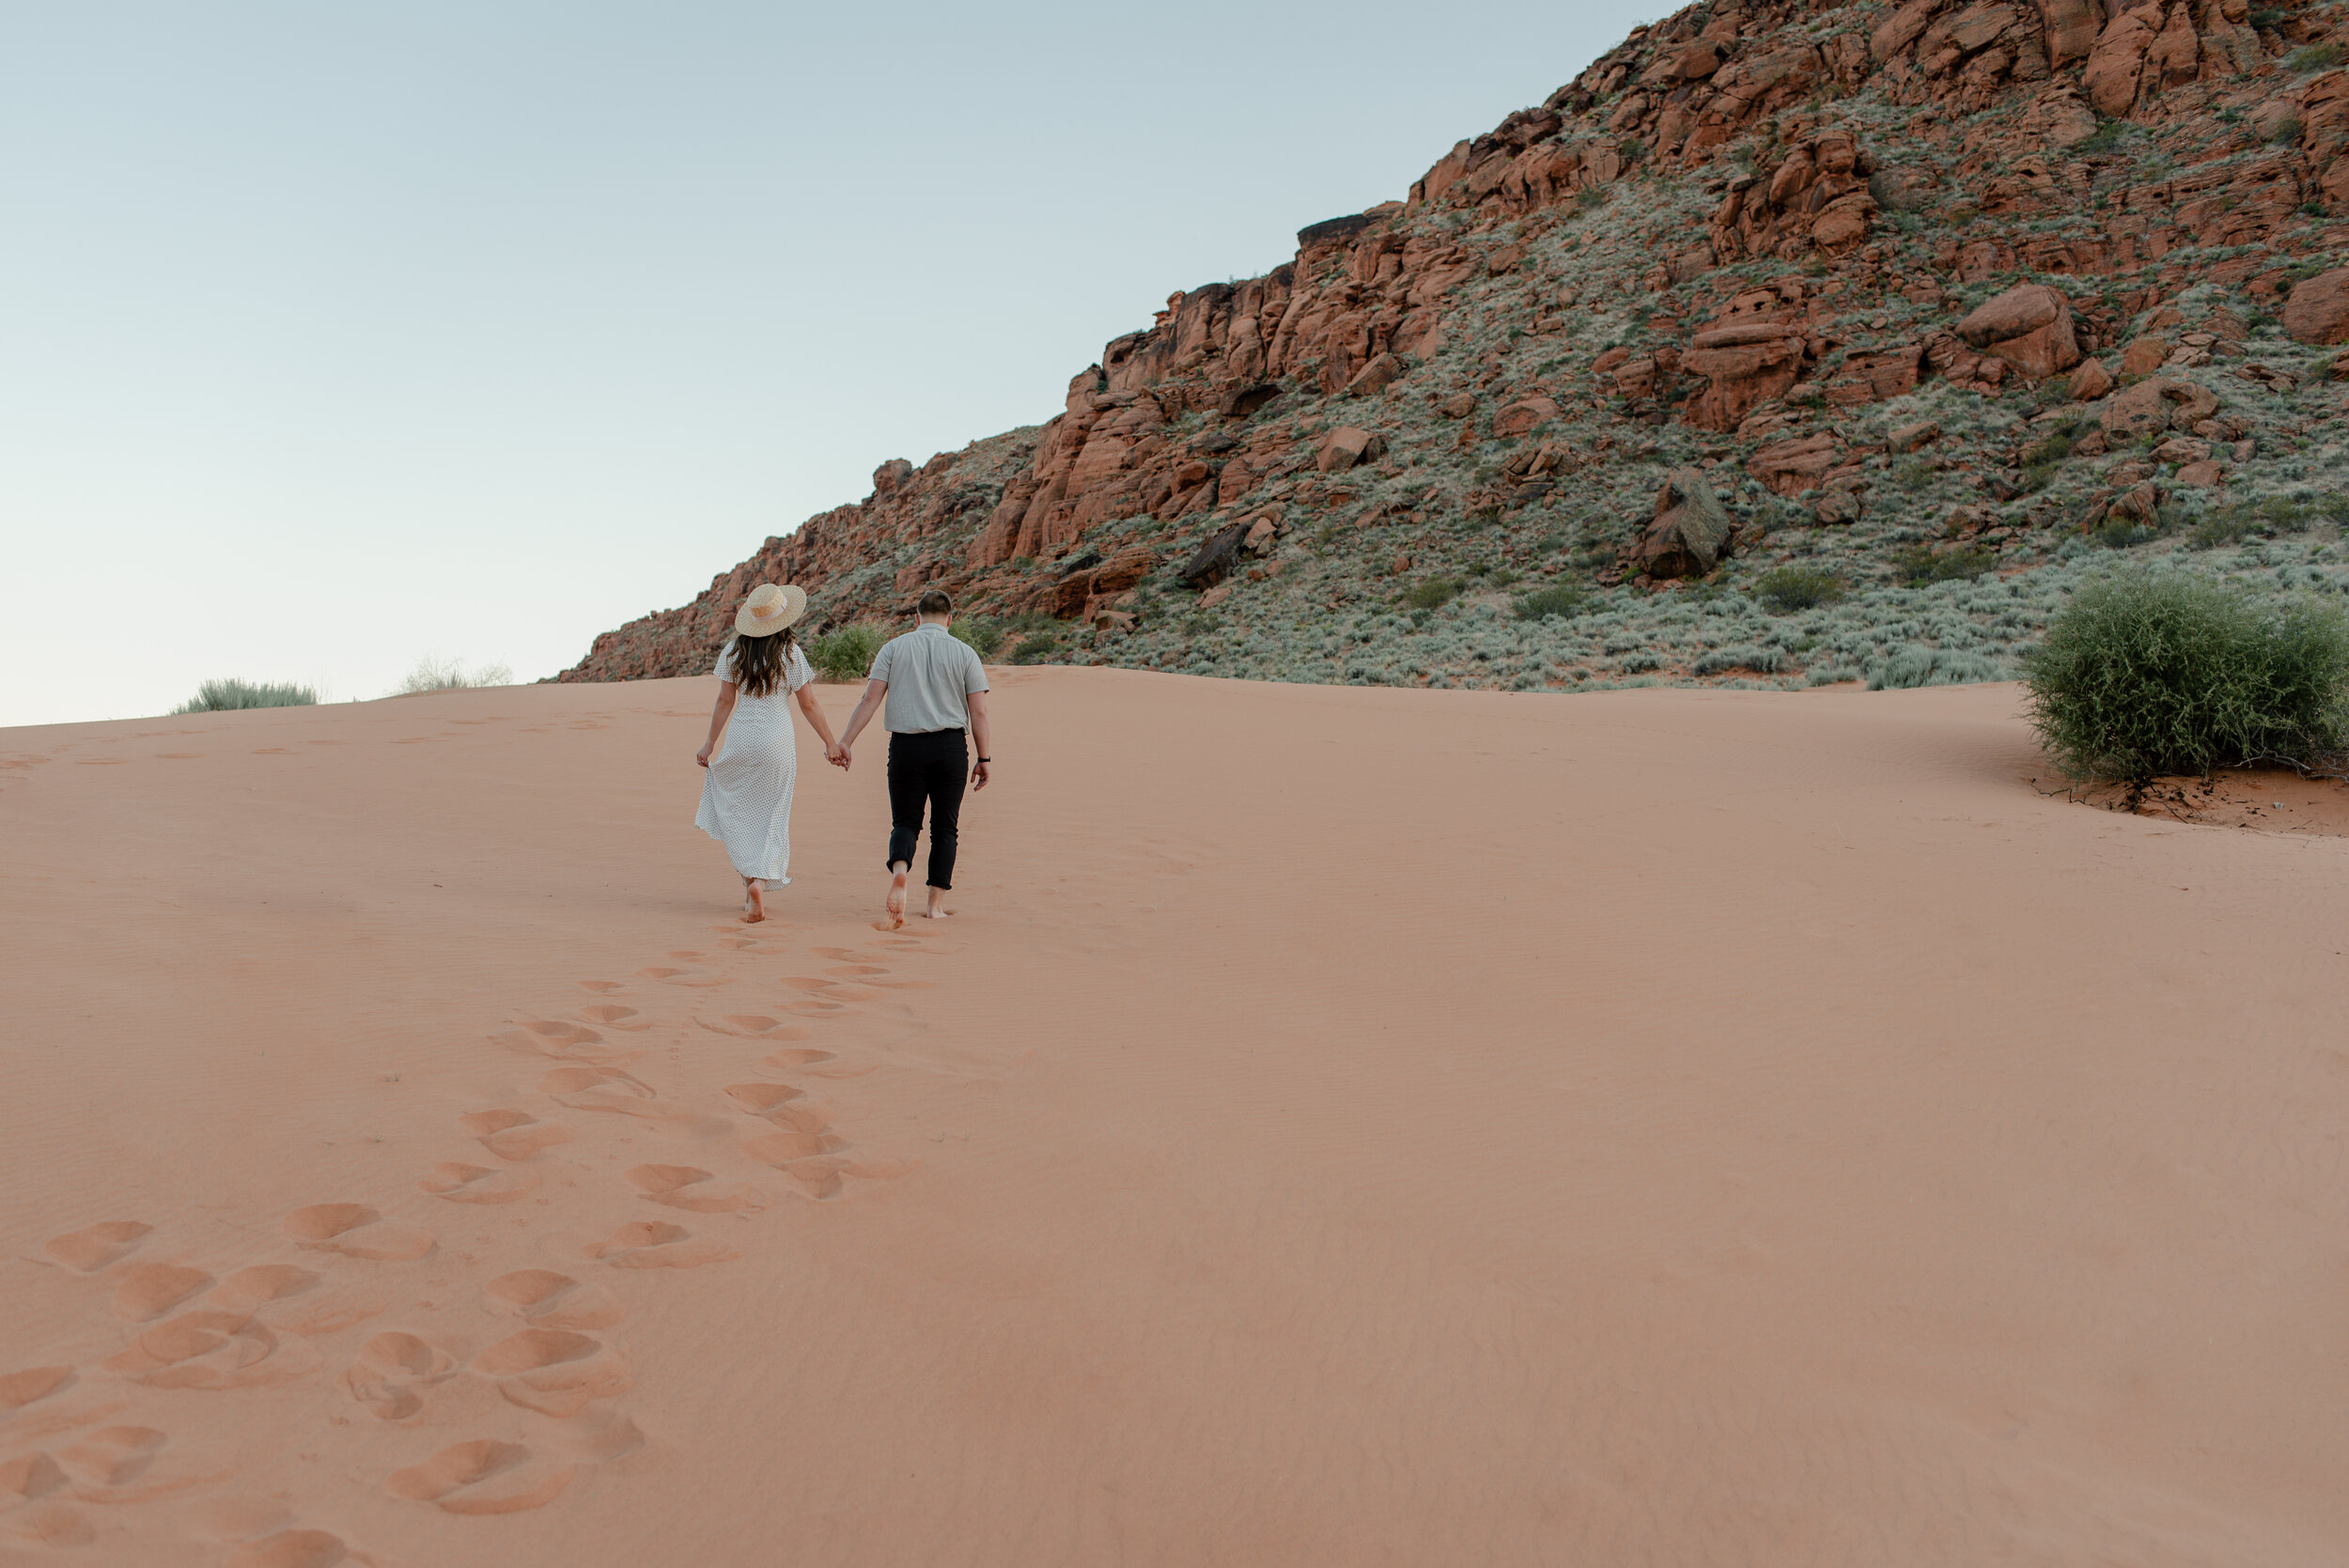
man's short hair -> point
(935, 602)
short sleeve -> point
(725, 663)
(801, 672)
(974, 672)
(882, 660)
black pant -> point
(930, 767)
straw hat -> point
(769, 608)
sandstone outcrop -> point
(1753, 253)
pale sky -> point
(334, 336)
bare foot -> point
(754, 903)
(897, 902)
(938, 909)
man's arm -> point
(980, 737)
(875, 690)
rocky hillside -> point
(1783, 343)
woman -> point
(746, 801)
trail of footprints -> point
(70, 1444)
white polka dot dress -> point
(746, 797)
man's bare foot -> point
(897, 902)
(754, 903)
(938, 909)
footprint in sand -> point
(514, 1134)
(600, 986)
(567, 1042)
(814, 1062)
(112, 1455)
(391, 1368)
(460, 1183)
(689, 1187)
(855, 972)
(49, 1524)
(357, 1231)
(552, 1300)
(555, 1372)
(699, 979)
(291, 1548)
(611, 1016)
(20, 1389)
(484, 1476)
(749, 1026)
(93, 1246)
(256, 1286)
(214, 1350)
(763, 1099)
(147, 1290)
(651, 1244)
(590, 1088)
(29, 1479)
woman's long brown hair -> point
(759, 661)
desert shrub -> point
(983, 636)
(1559, 599)
(220, 696)
(846, 652)
(2119, 533)
(1036, 648)
(1917, 565)
(2315, 57)
(1918, 665)
(1432, 593)
(1789, 588)
(2149, 672)
(435, 674)
(1634, 663)
(1764, 661)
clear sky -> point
(333, 335)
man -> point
(936, 689)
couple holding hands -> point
(931, 691)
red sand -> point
(1340, 1128)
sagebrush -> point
(220, 696)
(2148, 672)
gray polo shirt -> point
(930, 673)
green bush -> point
(2315, 57)
(2147, 673)
(1789, 588)
(1035, 649)
(1918, 665)
(846, 652)
(219, 696)
(1917, 565)
(1561, 599)
(983, 636)
(1433, 594)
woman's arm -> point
(815, 716)
(717, 720)
(875, 692)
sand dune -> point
(1340, 1128)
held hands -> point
(837, 755)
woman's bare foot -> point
(896, 901)
(754, 902)
(938, 909)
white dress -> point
(746, 797)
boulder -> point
(2029, 327)
(2144, 356)
(1911, 437)
(1689, 531)
(2201, 476)
(891, 477)
(1792, 467)
(2158, 405)
(1458, 406)
(1837, 506)
(1344, 446)
(1374, 377)
(1747, 363)
(2091, 381)
(2318, 310)
(2071, 28)
(1259, 538)
(2118, 60)
(1216, 558)
(1243, 402)
(1522, 415)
